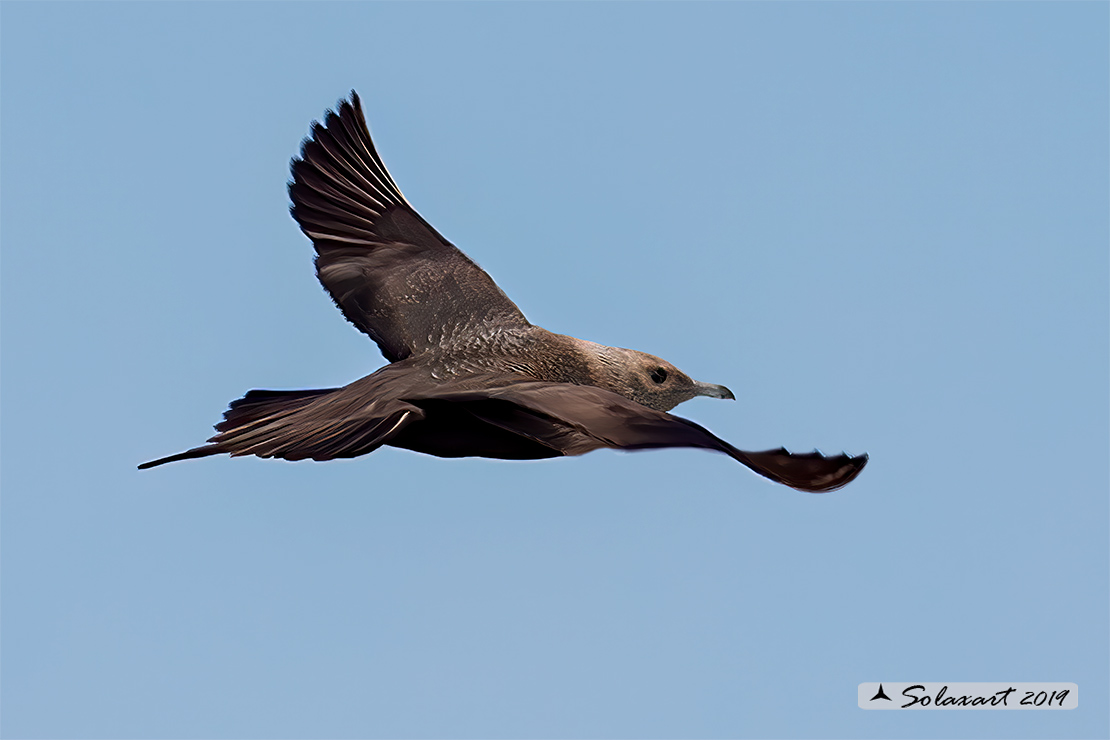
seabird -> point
(468, 375)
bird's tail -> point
(252, 425)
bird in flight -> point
(468, 375)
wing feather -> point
(577, 419)
(391, 274)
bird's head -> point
(650, 380)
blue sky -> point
(883, 225)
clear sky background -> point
(883, 225)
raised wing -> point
(575, 419)
(390, 273)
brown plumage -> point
(468, 375)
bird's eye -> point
(658, 375)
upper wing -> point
(576, 419)
(391, 274)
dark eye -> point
(658, 375)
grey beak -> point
(713, 391)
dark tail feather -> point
(244, 415)
(204, 451)
(257, 405)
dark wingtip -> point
(843, 469)
(811, 472)
(351, 101)
(855, 463)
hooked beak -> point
(713, 391)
